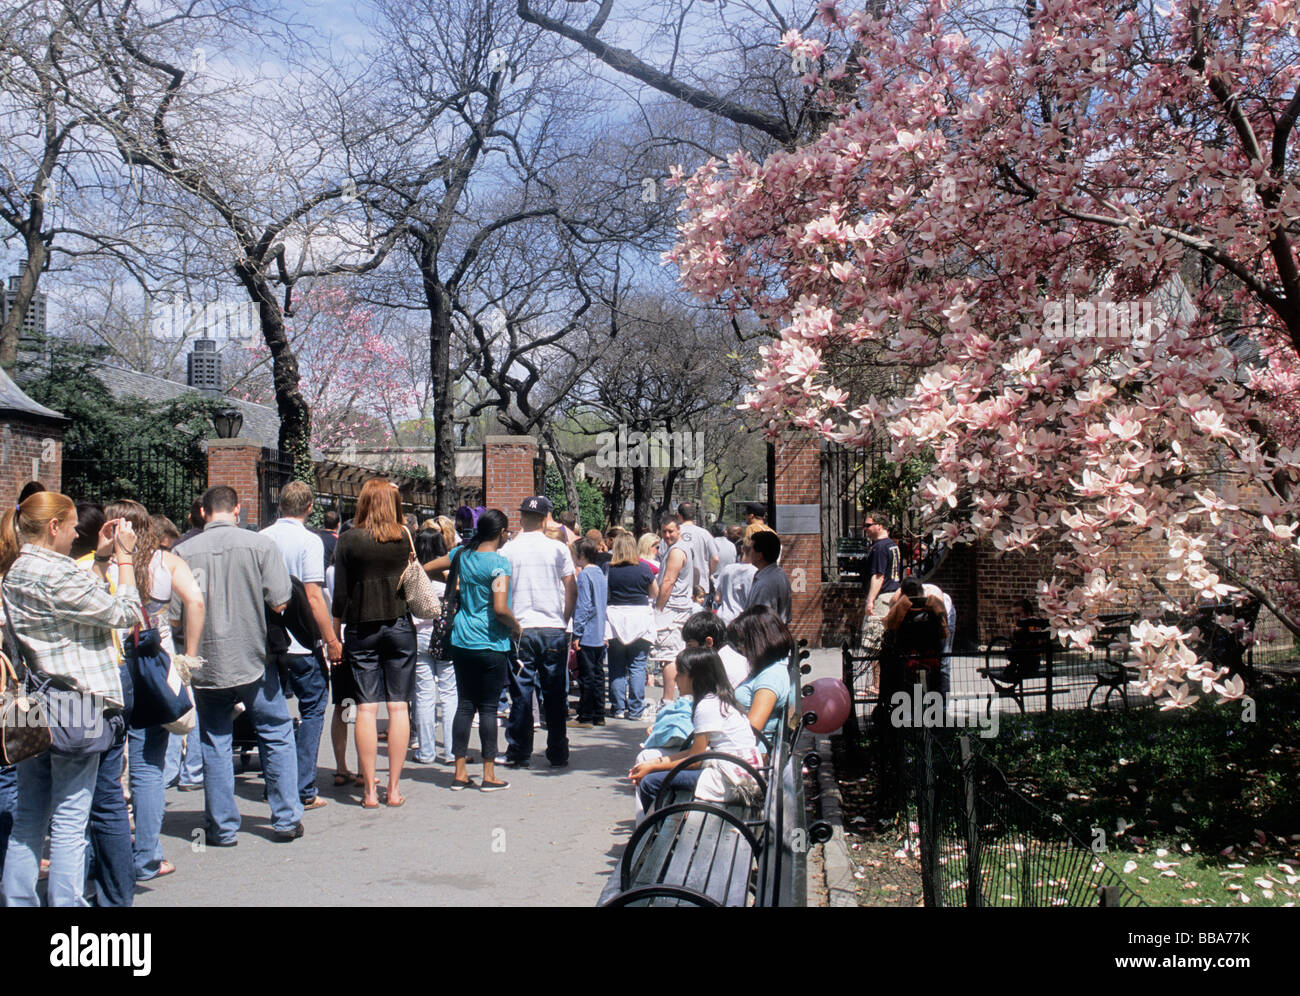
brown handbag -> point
(26, 726)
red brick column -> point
(233, 462)
(798, 482)
(508, 473)
(29, 451)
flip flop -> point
(369, 805)
(341, 778)
(165, 868)
(399, 802)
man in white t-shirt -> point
(542, 596)
(304, 556)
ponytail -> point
(490, 525)
(24, 523)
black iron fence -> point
(982, 843)
(164, 480)
(274, 471)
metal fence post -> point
(925, 812)
(974, 881)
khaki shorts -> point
(668, 635)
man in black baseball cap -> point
(755, 511)
(537, 505)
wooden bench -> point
(1035, 664)
(689, 853)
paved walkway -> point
(549, 840)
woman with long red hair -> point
(380, 638)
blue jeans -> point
(543, 666)
(8, 805)
(683, 782)
(147, 750)
(190, 770)
(627, 677)
(112, 861)
(435, 688)
(54, 792)
(270, 717)
(308, 681)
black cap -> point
(537, 504)
(754, 508)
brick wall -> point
(29, 451)
(233, 462)
(508, 473)
(798, 482)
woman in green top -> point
(481, 632)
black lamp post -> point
(228, 422)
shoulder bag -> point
(440, 639)
(421, 599)
(26, 727)
(161, 696)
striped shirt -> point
(63, 619)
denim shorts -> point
(382, 655)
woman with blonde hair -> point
(162, 574)
(647, 549)
(62, 620)
(630, 621)
(380, 645)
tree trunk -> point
(27, 281)
(295, 416)
(565, 470)
(446, 495)
(616, 500)
(640, 500)
(670, 479)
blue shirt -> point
(884, 559)
(589, 612)
(475, 626)
(774, 678)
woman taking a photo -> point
(380, 638)
(481, 632)
(62, 619)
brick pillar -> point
(798, 482)
(508, 473)
(233, 462)
(30, 450)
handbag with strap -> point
(440, 638)
(26, 727)
(421, 599)
(161, 697)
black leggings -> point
(480, 676)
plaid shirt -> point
(64, 617)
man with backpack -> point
(308, 675)
(919, 624)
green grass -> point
(1203, 776)
(1191, 880)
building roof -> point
(261, 423)
(14, 402)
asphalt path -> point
(549, 840)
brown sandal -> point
(342, 778)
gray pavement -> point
(549, 840)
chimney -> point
(203, 367)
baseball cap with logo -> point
(537, 504)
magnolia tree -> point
(352, 376)
(1075, 229)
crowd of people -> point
(255, 618)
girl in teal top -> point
(766, 642)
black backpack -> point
(920, 638)
(297, 620)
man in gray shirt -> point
(770, 586)
(240, 574)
